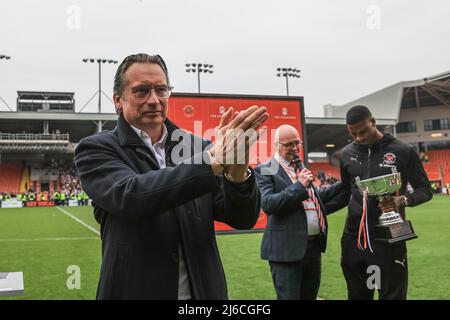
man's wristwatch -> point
(227, 176)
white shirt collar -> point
(278, 157)
(144, 136)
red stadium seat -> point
(10, 175)
(432, 170)
(438, 166)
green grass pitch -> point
(44, 242)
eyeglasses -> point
(142, 92)
(291, 144)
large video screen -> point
(200, 114)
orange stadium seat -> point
(10, 177)
(327, 168)
(440, 156)
(438, 166)
(432, 170)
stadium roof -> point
(75, 116)
(78, 124)
(385, 105)
(37, 95)
(387, 102)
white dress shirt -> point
(184, 291)
(308, 205)
(157, 148)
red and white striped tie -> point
(320, 215)
(313, 198)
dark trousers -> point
(298, 280)
(386, 269)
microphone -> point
(298, 162)
(301, 166)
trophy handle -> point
(358, 184)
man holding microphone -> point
(296, 231)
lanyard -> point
(293, 178)
(312, 197)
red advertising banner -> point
(39, 203)
(30, 203)
(200, 114)
(46, 203)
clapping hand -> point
(235, 135)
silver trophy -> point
(391, 228)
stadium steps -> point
(25, 180)
(433, 170)
(446, 177)
(10, 177)
(441, 160)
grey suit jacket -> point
(285, 238)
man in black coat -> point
(156, 191)
(296, 231)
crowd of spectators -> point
(67, 187)
(68, 177)
(325, 179)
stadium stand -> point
(325, 172)
(325, 167)
(441, 160)
(25, 180)
(10, 177)
(440, 156)
(432, 170)
(68, 178)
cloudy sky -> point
(345, 49)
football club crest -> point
(188, 111)
(389, 158)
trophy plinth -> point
(397, 232)
(391, 227)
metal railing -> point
(43, 148)
(35, 136)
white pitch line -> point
(78, 220)
(47, 239)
